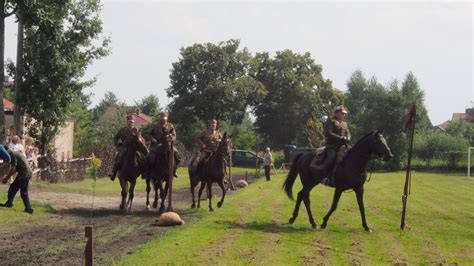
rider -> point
(163, 131)
(207, 141)
(119, 142)
(336, 134)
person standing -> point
(18, 165)
(267, 162)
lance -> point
(170, 174)
(410, 129)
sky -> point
(434, 40)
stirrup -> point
(326, 182)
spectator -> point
(31, 151)
(267, 162)
(18, 165)
(18, 146)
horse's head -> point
(225, 146)
(380, 147)
(136, 142)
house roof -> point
(139, 117)
(7, 105)
(461, 116)
(443, 125)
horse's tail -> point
(290, 179)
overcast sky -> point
(386, 40)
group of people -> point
(14, 155)
(336, 134)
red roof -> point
(141, 118)
(7, 105)
(443, 125)
(461, 116)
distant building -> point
(63, 142)
(456, 117)
(139, 117)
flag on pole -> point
(409, 117)
(409, 126)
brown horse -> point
(131, 167)
(159, 166)
(210, 170)
(350, 174)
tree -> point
(109, 100)
(411, 91)
(211, 81)
(295, 88)
(59, 45)
(244, 135)
(150, 105)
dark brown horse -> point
(131, 167)
(211, 170)
(350, 174)
(159, 165)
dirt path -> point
(59, 237)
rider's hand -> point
(5, 179)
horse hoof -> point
(323, 226)
(121, 207)
(193, 205)
(147, 207)
(211, 209)
(219, 204)
(155, 205)
(367, 229)
(292, 220)
(314, 226)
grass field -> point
(252, 226)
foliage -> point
(411, 91)
(59, 45)
(211, 81)
(109, 100)
(443, 146)
(296, 89)
(461, 129)
(244, 135)
(150, 105)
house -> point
(139, 117)
(456, 117)
(63, 142)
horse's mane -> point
(361, 140)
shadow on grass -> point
(87, 213)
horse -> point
(131, 167)
(159, 166)
(350, 174)
(210, 170)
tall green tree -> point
(411, 91)
(58, 47)
(109, 100)
(211, 81)
(150, 105)
(295, 89)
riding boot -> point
(329, 181)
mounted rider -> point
(120, 144)
(337, 136)
(208, 141)
(160, 134)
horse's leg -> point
(307, 203)
(131, 194)
(360, 200)
(163, 197)
(299, 198)
(221, 184)
(209, 189)
(156, 186)
(123, 185)
(200, 193)
(193, 205)
(335, 200)
(148, 189)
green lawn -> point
(252, 227)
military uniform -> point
(21, 182)
(161, 133)
(120, 144)
(208, 142)
(336, 134)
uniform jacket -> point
(209, 139)
(160, 130)
(335, 133)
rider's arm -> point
(12, 170)
(117, 138)
(199, 140)
(173, 133)
(329, 133)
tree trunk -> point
(2, 70)
(18, 79)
